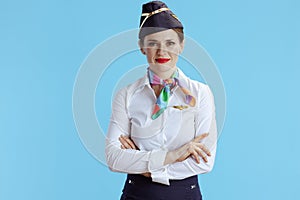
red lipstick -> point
(162, 60)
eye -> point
(152, 44)
(170, 43)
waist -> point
(142, 180)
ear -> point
(143, 51)
(182, 46)
(142, 47)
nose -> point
(161, 50)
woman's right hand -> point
(194, 148)
(127, 143)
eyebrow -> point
(153, 40)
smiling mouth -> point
(162, 60)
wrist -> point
(170, 157)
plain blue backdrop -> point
(256, 46)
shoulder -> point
(198, 89)
(194, 85)
(127, 91)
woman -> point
(162, 131)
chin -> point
(161, 67)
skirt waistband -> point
(140, 179)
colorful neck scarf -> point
(163, 98)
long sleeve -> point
(131, 111)
(205, 122)
(127, 161)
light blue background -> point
(256, 46)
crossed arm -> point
(195, 157)
(194, 149)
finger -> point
(122, 146)
(130, 142)
(205, 149)
(201, 154)
(200, 137)
(146, 174)
(124, 136)
(124, 143)
(195, 156)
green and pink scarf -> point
(163, 98)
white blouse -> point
(131, 115)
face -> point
(162, 50)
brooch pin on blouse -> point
(181, 107)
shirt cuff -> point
(157, 159)
(160, 176)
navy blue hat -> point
(156, 16)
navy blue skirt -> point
(138, 187)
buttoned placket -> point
(164, 136)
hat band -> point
(147, 15)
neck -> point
(164, 74)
